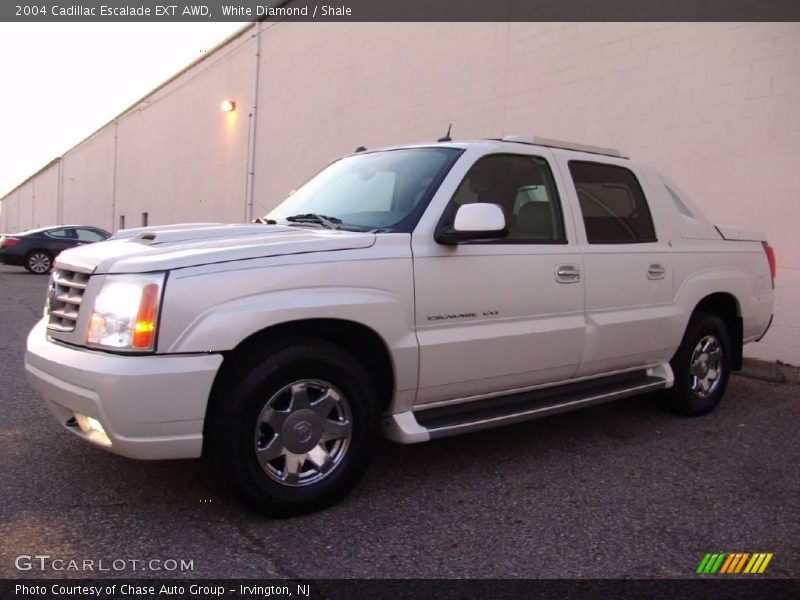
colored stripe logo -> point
(734, 562)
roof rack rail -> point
(540, 141)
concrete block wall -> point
(716, 106)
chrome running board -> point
(434, 423)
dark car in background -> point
(36, 249)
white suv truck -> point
(420, 291)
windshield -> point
(384, 191)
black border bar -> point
(730, 587)
(398, 10)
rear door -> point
(500, 314)
(626, 265)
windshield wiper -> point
(329, 222)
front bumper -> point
(150, 407)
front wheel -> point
(701, 366)
(297, 430)
(39, 262)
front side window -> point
(523, 186)
(385, 190)
(612, 203)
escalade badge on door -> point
(465, 315)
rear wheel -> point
(39, 262)
(701, 366)
(296, 430)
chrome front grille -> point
(64, 298)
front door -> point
(503, 314)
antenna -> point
(446, 137)
(361, 149)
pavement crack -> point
(263, 551)
(34, 311)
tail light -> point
(8, 242)
(773, 266)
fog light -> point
(88, 424)
(93, 429)
(227, 106)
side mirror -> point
(476, 221)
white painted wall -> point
(87, 173)
(178, 156)
(716, 106)
(32, 204)
(174, 155)
(45, 203)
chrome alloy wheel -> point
(39, 262)
(303, 432)
(705, 367)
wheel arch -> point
(728, 308)
(359, 340)
(35, 249)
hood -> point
(179, 246)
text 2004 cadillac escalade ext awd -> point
(421, 291)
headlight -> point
(125, 312)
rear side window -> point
(612, 203)
(90, 235)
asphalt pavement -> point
(620, 490)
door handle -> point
(567, 273)
(656, 271)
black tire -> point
(235, 429)
(39, 262)
(689, 396)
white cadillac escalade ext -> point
(422, 291)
